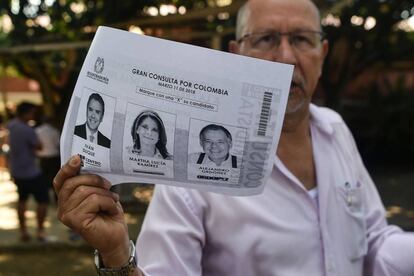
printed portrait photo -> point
(148, 141)
(149, 136)
(213, 145)
(94, 122)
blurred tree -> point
(35, 22)
(366, 38)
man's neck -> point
(295, 133)
(295, 149)
(91, 131)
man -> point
(320, 213)
(49, 155)
(216, 142)
(95, 109)
(26, 174)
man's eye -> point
(301, 39)
(155, 129)
(265, 39)
(268, 38)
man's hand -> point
(86, 205)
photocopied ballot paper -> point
(148, 110)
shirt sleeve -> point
(172, 235)
(388, 246)
(395, 256)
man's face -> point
(287, 16)
(215, 144)
(94, 114)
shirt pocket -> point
(353, 224)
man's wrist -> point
(116, 258)
(118, 266)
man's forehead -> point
(95, 104)
(285, 15)
(214, 133)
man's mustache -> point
(298, 81)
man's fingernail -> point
(74, 161)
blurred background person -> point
(25, 172)
(4, 148)
(49, 156)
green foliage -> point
(383, 124)
(70, 20)
(354, 49)
(382, 119)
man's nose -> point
(285, 52)
(212, 144)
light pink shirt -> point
(281, 231)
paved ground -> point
(58, 256)
(62, 256)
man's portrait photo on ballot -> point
(95, 119)
(216, 142)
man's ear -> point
(234, 47)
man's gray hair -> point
(241, 20)
(243, 14)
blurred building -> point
(13, 90)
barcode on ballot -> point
(265, 114)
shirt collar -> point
(89, 133)
(320, 120)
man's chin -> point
(215, 157)
(92, 128)
(294, 107)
